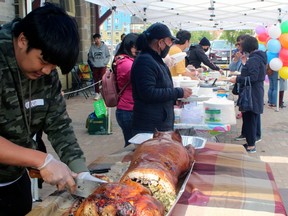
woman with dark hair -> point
(153, 92)
(255, 68)
(122, 64)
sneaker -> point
(253, 150)
(239, 138)
(97, 96)
(258, 140)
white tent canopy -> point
(194, 15)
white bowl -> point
(189, 83)
(178, 56)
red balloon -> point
(283, 55)
(263, 37)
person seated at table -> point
(196, 55)
(182, 43)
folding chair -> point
(86, 76)
(77, 83)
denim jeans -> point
(124, 119)
(272, 91)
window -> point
(68, 5)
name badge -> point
(34, 103)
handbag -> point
(236, 88)
(245, 102)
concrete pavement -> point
(273, 148)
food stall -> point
(225, 180)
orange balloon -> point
(284, 40)
(283, 72)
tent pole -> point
(278, 90)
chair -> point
(78, 85)
(86, 76)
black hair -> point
(143, 41)
(122, 36)
(249, 44)
(182, 36)
(128, 42)
(241, 37)
(97, 35)
(54, 32)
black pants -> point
(258, 131)
(16, 199)
(250, 126)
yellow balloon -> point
(283, 72)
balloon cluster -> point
(274, 40)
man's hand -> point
(55, 172)
(187, 92)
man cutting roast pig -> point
(31, 100)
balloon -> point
(283, 72)
(262, 47)
(271, 55)
(284, 27)
(283, 55)
(260, 29)
(276, 64)
(274, 32)
(273, 46)
(263, 37)
(284, 40)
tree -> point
(231, 35)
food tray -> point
(196, 142)
(181, 189)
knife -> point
(86, 184)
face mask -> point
(186, 49)
(164, 52)
(206, 49)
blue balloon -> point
(274, 46)
(271, 55)
(262, 47)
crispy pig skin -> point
(121, 199)
(163, 157)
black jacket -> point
(255, 67)
(153, 93)
(196, 56)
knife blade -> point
(86, 184)
(85, 187)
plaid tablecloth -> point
(225, 181)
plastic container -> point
(213, 116)
(219, 110)
(177, 114)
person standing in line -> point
(152, 87)
(237, 64)
(196, 55)
(283, 87)
(122, 64)
(30, 100)
(98, 58)
(119, 44)
(273, 87)
(255, 68)
(181, 44)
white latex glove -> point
(88, 176)
(169, 61)
(57, 173)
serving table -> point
(225, 181)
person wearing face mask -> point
(152, 87)
(181, 45)
(196, 55)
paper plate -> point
(178, 56)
